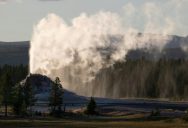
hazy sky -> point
(17, 17)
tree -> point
(56, 97)
(91, 107)
(152, 87)
(23, 95)
(18, 100)
(7, 87)
(29, 98)
(9, 76)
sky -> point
(18, 17)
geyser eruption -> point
(78, 51)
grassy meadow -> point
(112, 122)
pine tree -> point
(18, 99)
(23, 97)
(7, 87)
(56, 98)
(29, 94)
(91, 107)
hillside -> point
(14, 53)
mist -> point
(77, 51)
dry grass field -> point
(94, 123)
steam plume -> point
(76, 52)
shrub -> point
(155, 112)
(91, 107)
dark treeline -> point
(17, 91)
(9, 77)
(143, 78)
(17, 72)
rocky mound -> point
(42, 87)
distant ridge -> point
(14, 53)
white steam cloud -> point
(76, 52)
